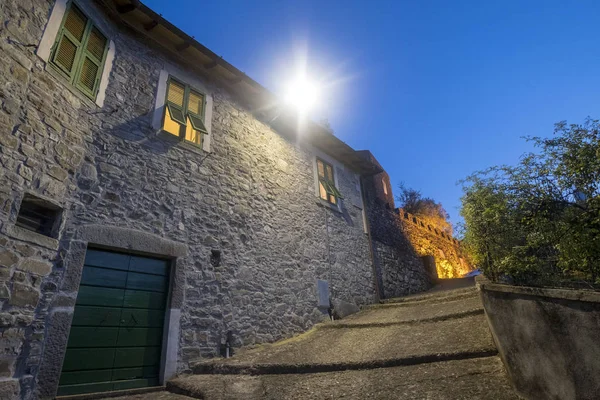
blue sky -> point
(435, 89)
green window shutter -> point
(330, 188)
(197, 123)
(195, 111)
(65, 54)
(176, 113)
(92, 60)
(175, 101)
(80, 51)
(69, 39)
(336, 192)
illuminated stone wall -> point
(429, 240)
(399, 268)
(252, 200)
(401, 240)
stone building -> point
(451, 261)
(157, 205)
(408, 252)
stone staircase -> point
(430, 346)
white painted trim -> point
(196, 84)
(52, 27)
(168, 367)
(49, 38)
(108, 64)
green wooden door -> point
(116, 335)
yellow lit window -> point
(327, 189)
(184, 112)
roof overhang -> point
(262, 103)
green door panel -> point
(78, 377)
(142, 299)
(103, 277)
(96, 316)
(100, 296)
(134, 373)
(115, 342)
(68, 390)
(138, 318)
(137, 383)
(148, 266)
(106, 259)
(92, 337)
(86, 359)
(155, 283)
(137, 356)
(140, 337)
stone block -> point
(24, 296)
(57, 172)
(6, 320)
(38, 267)
(4, 292)
(8, 258)
(7, 367)
(343, 308)
(4, 274)
(9, 389)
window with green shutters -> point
(80, 51)
(327, 189)
(184, 112)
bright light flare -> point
(302, 94)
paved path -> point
(432, 346)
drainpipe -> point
(378, 291)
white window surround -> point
(194, 83)
(49, 38)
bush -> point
(538, 223)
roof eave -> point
(256, 96)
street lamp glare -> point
(302, 94)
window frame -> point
(332, 193)
(80, 54)
(168, 105)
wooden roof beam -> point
(150, 25)
(210, 65)
(125, 8)
(182, 46)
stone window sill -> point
(16, 232)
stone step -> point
(322, 350)
(475, 378)
(427, 297)
(411, 313)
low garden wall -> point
(549, 339)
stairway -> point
(430, 346)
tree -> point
(412, 201)
(538, 223)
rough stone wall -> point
(252, 198)
(399, 269)
(450, 259)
